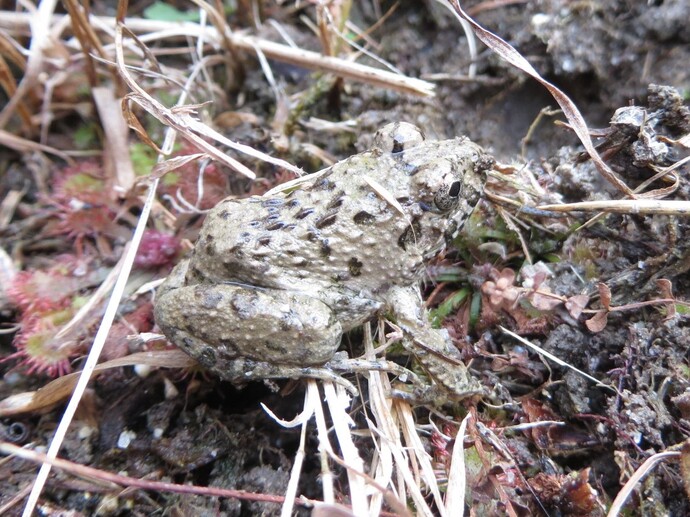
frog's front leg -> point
(243, 332)
(432, 347)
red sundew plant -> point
(37, 347)
(84, 182)
(156, 249)
(41, 291)
(84, 206)
(78, 223)
(47, 300)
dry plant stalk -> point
(156, 30)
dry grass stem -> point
(156, 30)
(625, 206)
(555, 359)
(457, 479)
(640, 473)
(23, 146)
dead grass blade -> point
(640, 473)
(624, 206)
(283, 53)
(577, 121)
(7, 81)
(180, 120)
(61, 388)
(40, 22)
(166, 166)
(142, 484)
(22, 145)
(338, 403)
(89, 42)
(555, 359)
(457, 479)
(416, 447)
(116, 136)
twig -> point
(143, 484)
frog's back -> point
(331, 232)
(364, 225)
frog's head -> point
(444, 181)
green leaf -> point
(448, 305)
(165, 12)
(475, 309)
(143, 158)
(85, 137)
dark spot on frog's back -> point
(207, 358)
(323, 184)
(325, 248)
(224, 214)
(210, 249)
(279, 225)
(236, 251)
(326, 220)
(207, 299)
(410, 235)
(364, 218)
(195, 273)
(264, 241)
(336, 202)
(354, 266)
(304, 212)
(230, 346)
(272, 202)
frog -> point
(274, 281)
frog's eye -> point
(397, 137)
(447, 197)
(454, 190)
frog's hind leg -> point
(241, 332)
(244, 370)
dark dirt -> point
(604, 55)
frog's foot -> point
(245, 370)
(342, 363)
(433, 348)
(435, 395)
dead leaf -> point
(604, 295)
(164, 167)
(576, 304)
(598, 322)
(62, 387)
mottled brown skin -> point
(274, 281)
